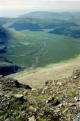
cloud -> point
(8, 6)
(29, 4)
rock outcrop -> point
(56, 101)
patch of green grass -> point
(64, 109)
(3, 117)
(41, 119)
(23, 107)
(18, 118)
(72, 94)
(42, 97)
(58, 96)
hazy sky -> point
(9, 8)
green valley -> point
(42, 38)
(40, 48)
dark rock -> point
(55, 102)
(19, 85)
(48, 82)
(27, 87)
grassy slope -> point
(41, 48)
(36, 77)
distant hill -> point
(64, 23)
(51, 15)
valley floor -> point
(37, 77)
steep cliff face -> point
(6, 67)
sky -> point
(13, 8)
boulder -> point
(19, 97)
(32, 118)
(32, 109)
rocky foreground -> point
(57, 100)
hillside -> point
(64, 23)
(52, 15)
(56, 100)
